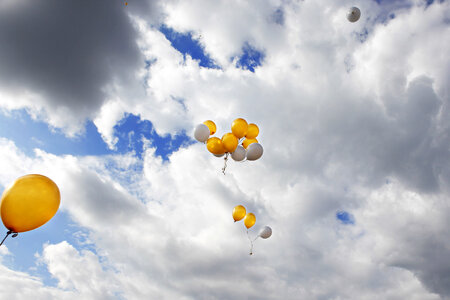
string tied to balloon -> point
(251, 242)
(225, 163)
(14, 234)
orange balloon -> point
(239, 213)
(239, 128)
(215, 146)
(252, 131)
(230, 142)
(212, 126)
(29, 203)
(247, 142)
(249, 220)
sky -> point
(354, 118)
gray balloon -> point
(201, 133)
(254, 151)
(266, 232)
(353, 14)
(238, 154)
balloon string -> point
(225, 164)
(7, 234)
(251, 243)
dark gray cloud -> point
(66, 51)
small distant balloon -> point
(254, 151)
(249, 220)
(239, 213)
(211, 125)
(353, 14)
(265, 232)
(201, 133)
(239, 153)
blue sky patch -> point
(185, 44)
(345, 217)
(251, 58)
(29, 134)
(131, 130)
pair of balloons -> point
(230, 143)
(239, 213)
(30, 202)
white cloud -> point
(338, 118)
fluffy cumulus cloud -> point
(353, 117)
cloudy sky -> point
(102, 97)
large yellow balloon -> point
(239, 128)
(215, 146)
(252, 131)
(247, 142)
(230, 142)
(212, 126)
(29, 203)
(239, 213)
(249, 220)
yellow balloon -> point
(211, 125)
(252, 131)
(249, 220)
(215, 146)
(239, 213)
(230, 142)
(247, 142)
(239, 128)
(29, 203)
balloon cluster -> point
(29, 203)
(239, 213)
(241, 142)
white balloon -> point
(219, 155)
(201, 133)
(266, 232)
(254, 151)
(353, 14)
(238, 154)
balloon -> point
(201, 133)
(29, 203)
(252, 131)
(265, 232)
(219, 155)
(211, 126)
(239, 213)
(215, 145)
(239, 128)
(247, 142)
(249, 220)
(353, 14)
(238, 154)
(254, 151)
(230, 142)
